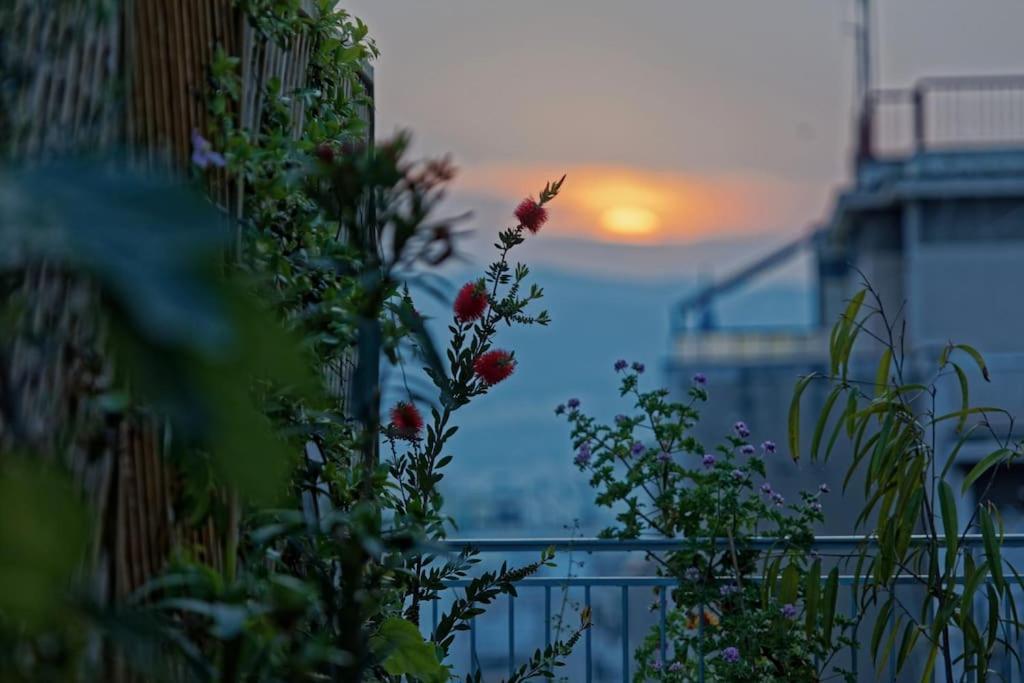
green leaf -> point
(819, 428)
(829, 603)
(964, 398)
(400, 647)
(950, 523)
(882, 375)
(794, 415)
(988, 537)
(789, 585)
(43, 535)
(973, 581)
(978, 359)
(812, 591)
(984, 465)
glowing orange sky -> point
(641, 206)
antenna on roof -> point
(864, 48)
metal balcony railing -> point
(946, 113)
(514, 651)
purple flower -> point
(728, 589)
(741, 429)
(620, 365)
(708, 461)
(664, 456)
(574, 403)
(731, 654)
(747, 449)
(824, 488)
(789, 611)
(638, 368)
(692, 574)
(656, 665)
(560, 409)
(816, 506)
(637, 449)
(738, 475)
(700, 379)
(583, 455)
(768, 447)
(676, 666)
(620, 419)
(766, 489)
(778, 499)
(203, 155)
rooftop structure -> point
(933, 218)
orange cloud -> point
(642, 206)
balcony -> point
(623, 612)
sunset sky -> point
(675, 120)
(696, 134)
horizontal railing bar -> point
(486, 545)
(653, 581)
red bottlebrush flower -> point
(406, 420)
(325, 153)
(531, 215)
(471, 301)
(494, 366)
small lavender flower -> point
(637, 449)
(768, 447)
(778, 499)
(738, 475)
(708, 461)
(656, 665)
(664, 456)
(747, 449)
(731, 654)
(692, 574)
(560, 409)
(620, 419)
(741, 429)
(203, 155)
(700, 379)
(789, 611)
(620, 365)
(824, 488)
(728, 589)
(676, 666)
(583, 455)
(766, 489)
(638, 368)
(574, 403)
(816, 506)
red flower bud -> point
(494, 366)
(531, 215)
(471, 302)
(406, 420)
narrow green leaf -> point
(812, 591)
(988, 462)
(882, 375)
(950, 523)
(794, 415)
(964, 398)
(789, 585)
(988, 536)
(819, 428)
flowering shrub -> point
(751, 603)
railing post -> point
(625, 635)
(918, 99)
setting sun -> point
(629, 220)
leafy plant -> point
(752, 601)
(917, 526)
